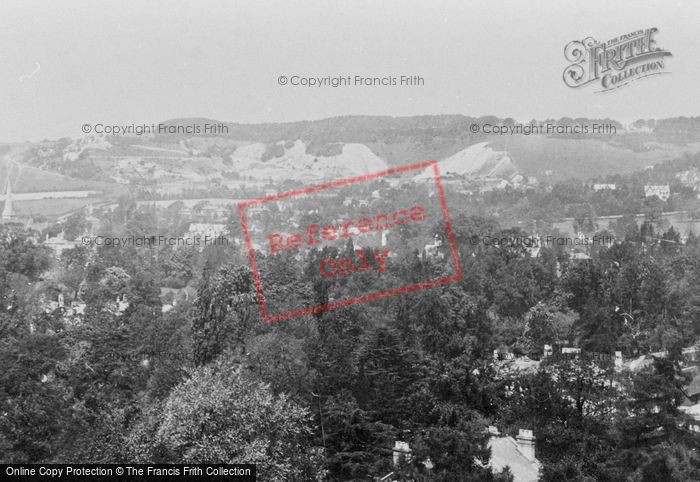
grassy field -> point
(582, 158)
(52, 208)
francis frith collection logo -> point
(615, 63)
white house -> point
(662, 191)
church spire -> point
(8, 212)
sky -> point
(66, 63)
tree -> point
(386, 377)
(75, 225)
(224, 312)
(222, 415)
(568, 402)
(33, 414)
(74, 262)
(19, 253)
(539, 330)
(654, 441)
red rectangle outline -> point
(360, 299)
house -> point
(576, 256)
(570, 350)
(690, 365)
(600, 187)
(59, 244)
(170, 297)
(533, 245)
(662, 191)
(692, 390)
(507, 362)
(71, 313)
(690, 178)
(517, 179)
(402, 451)
(433, 250)
(489, 184)
(214, 212)
(547, 351)
(206, 230)
(516, 453)
(692, 411)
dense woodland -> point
(324, 396)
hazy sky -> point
(64, 63)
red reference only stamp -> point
(344, 230)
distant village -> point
(212, 218)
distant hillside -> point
(478, 160)
(584, 158)
(29, 178)
(308, 151)
(401, 140)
